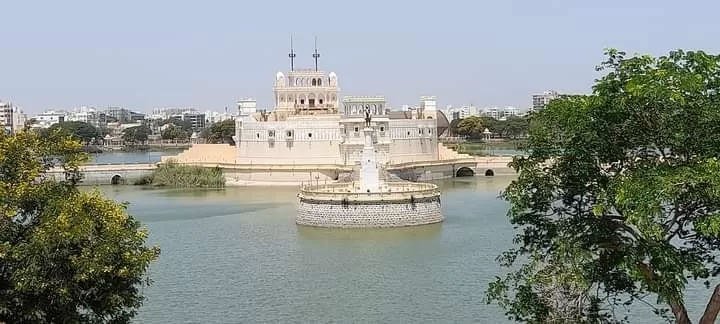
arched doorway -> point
(116, 180)
(489, 173)
(464, 172)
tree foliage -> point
(173, 132)
(474, 127)
(81, 131)
(66, 255)
(185, 125)
(220, 132)
(619, 198)
(136, 134)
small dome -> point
(279, 76)
(332, 75)
(194, 135)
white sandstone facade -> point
(310, 125)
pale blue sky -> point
(207, 54)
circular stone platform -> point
(344, 205)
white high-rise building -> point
(248, 106)
(540, 100)
(12, 118)
(84, 114)
(428, 107)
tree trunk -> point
(712, 308)
(681, 316)
(678, 309)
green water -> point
(236, 256)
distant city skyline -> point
(144, 55)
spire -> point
(316, 55)
(292, 55)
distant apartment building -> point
(168, 112)
(124, 115)
(88, 115)
(136, 117)
(540, 100)
(49, 118)
(197, 119)
(212, 117)
(12, 119)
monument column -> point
(369, 171)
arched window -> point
(314, 82)
(374, 109)
(319, 82)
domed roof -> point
(442, 123)
(332, 75)
(279, 76)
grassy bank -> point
(184, 176)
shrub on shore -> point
(175, 175)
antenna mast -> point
(316, 55)
(292, 55)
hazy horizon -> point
(137, 55)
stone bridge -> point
(110, 173)
(433, 170)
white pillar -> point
(369, 172)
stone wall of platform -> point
(355, 214)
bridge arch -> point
(116, 179)
(489, 173)
(464, 172)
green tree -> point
(81, 131)
(136, 134)
(66, 255)
(220, 132)
(471, 127)
(173, 132)
(513, 127)
(185, 125)
(619, 198)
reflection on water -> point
(485, 184)
(330, 235)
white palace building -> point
(312, 127)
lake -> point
(236, 256)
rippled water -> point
(119, 157)
(236, 256)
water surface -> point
(236, 256)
